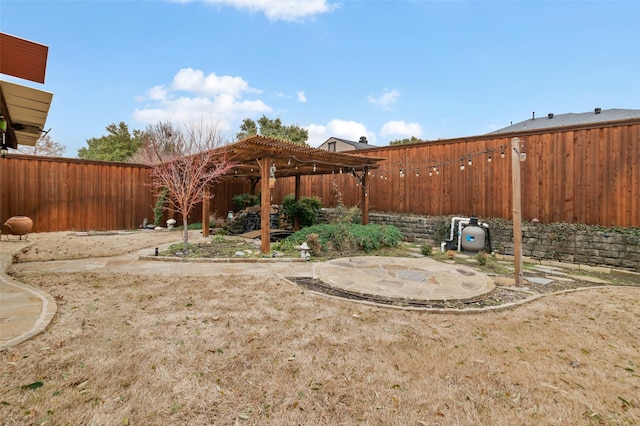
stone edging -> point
(223, 259)
(466, 311)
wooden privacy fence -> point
(61, 194)
(588, 174)
(585, 174)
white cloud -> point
(317, 134)
(192, 96)
(190, 80)
(157, 93)
(343, 129)
(386, 99)
(301, 96)
(401, 128)
(280, 10)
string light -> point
(434, 166)
(314, 167)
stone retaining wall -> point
(571, 243)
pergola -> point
(265, 159)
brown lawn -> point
(135, 350)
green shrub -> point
(306, 209)
(242, 201)
(158, 210)
(285, 245)
(218, 239)
(482, 258)
(344, 236)
(290, 207)
(426, 249)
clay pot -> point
(19, 225)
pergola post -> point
(205, 211)
(364, 201)
(265, 206)
(296, 221)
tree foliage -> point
(45, 147)
(159, 142)
(413, 139)
(118, 145)
(184, 163)
(273, 129)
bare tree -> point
(185, 163)
(44, 146)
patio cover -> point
(23, 58)
(256, 155)
(25, 110)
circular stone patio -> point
(396, 279)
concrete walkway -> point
(25, 311)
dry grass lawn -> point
(135, 350)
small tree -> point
(44, 146)
(185, 164)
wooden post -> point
(205, 211)
(296, 220)
(516, 182)
(265, 207)
(364, 201)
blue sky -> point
(381, 69)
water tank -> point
(473, 235)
